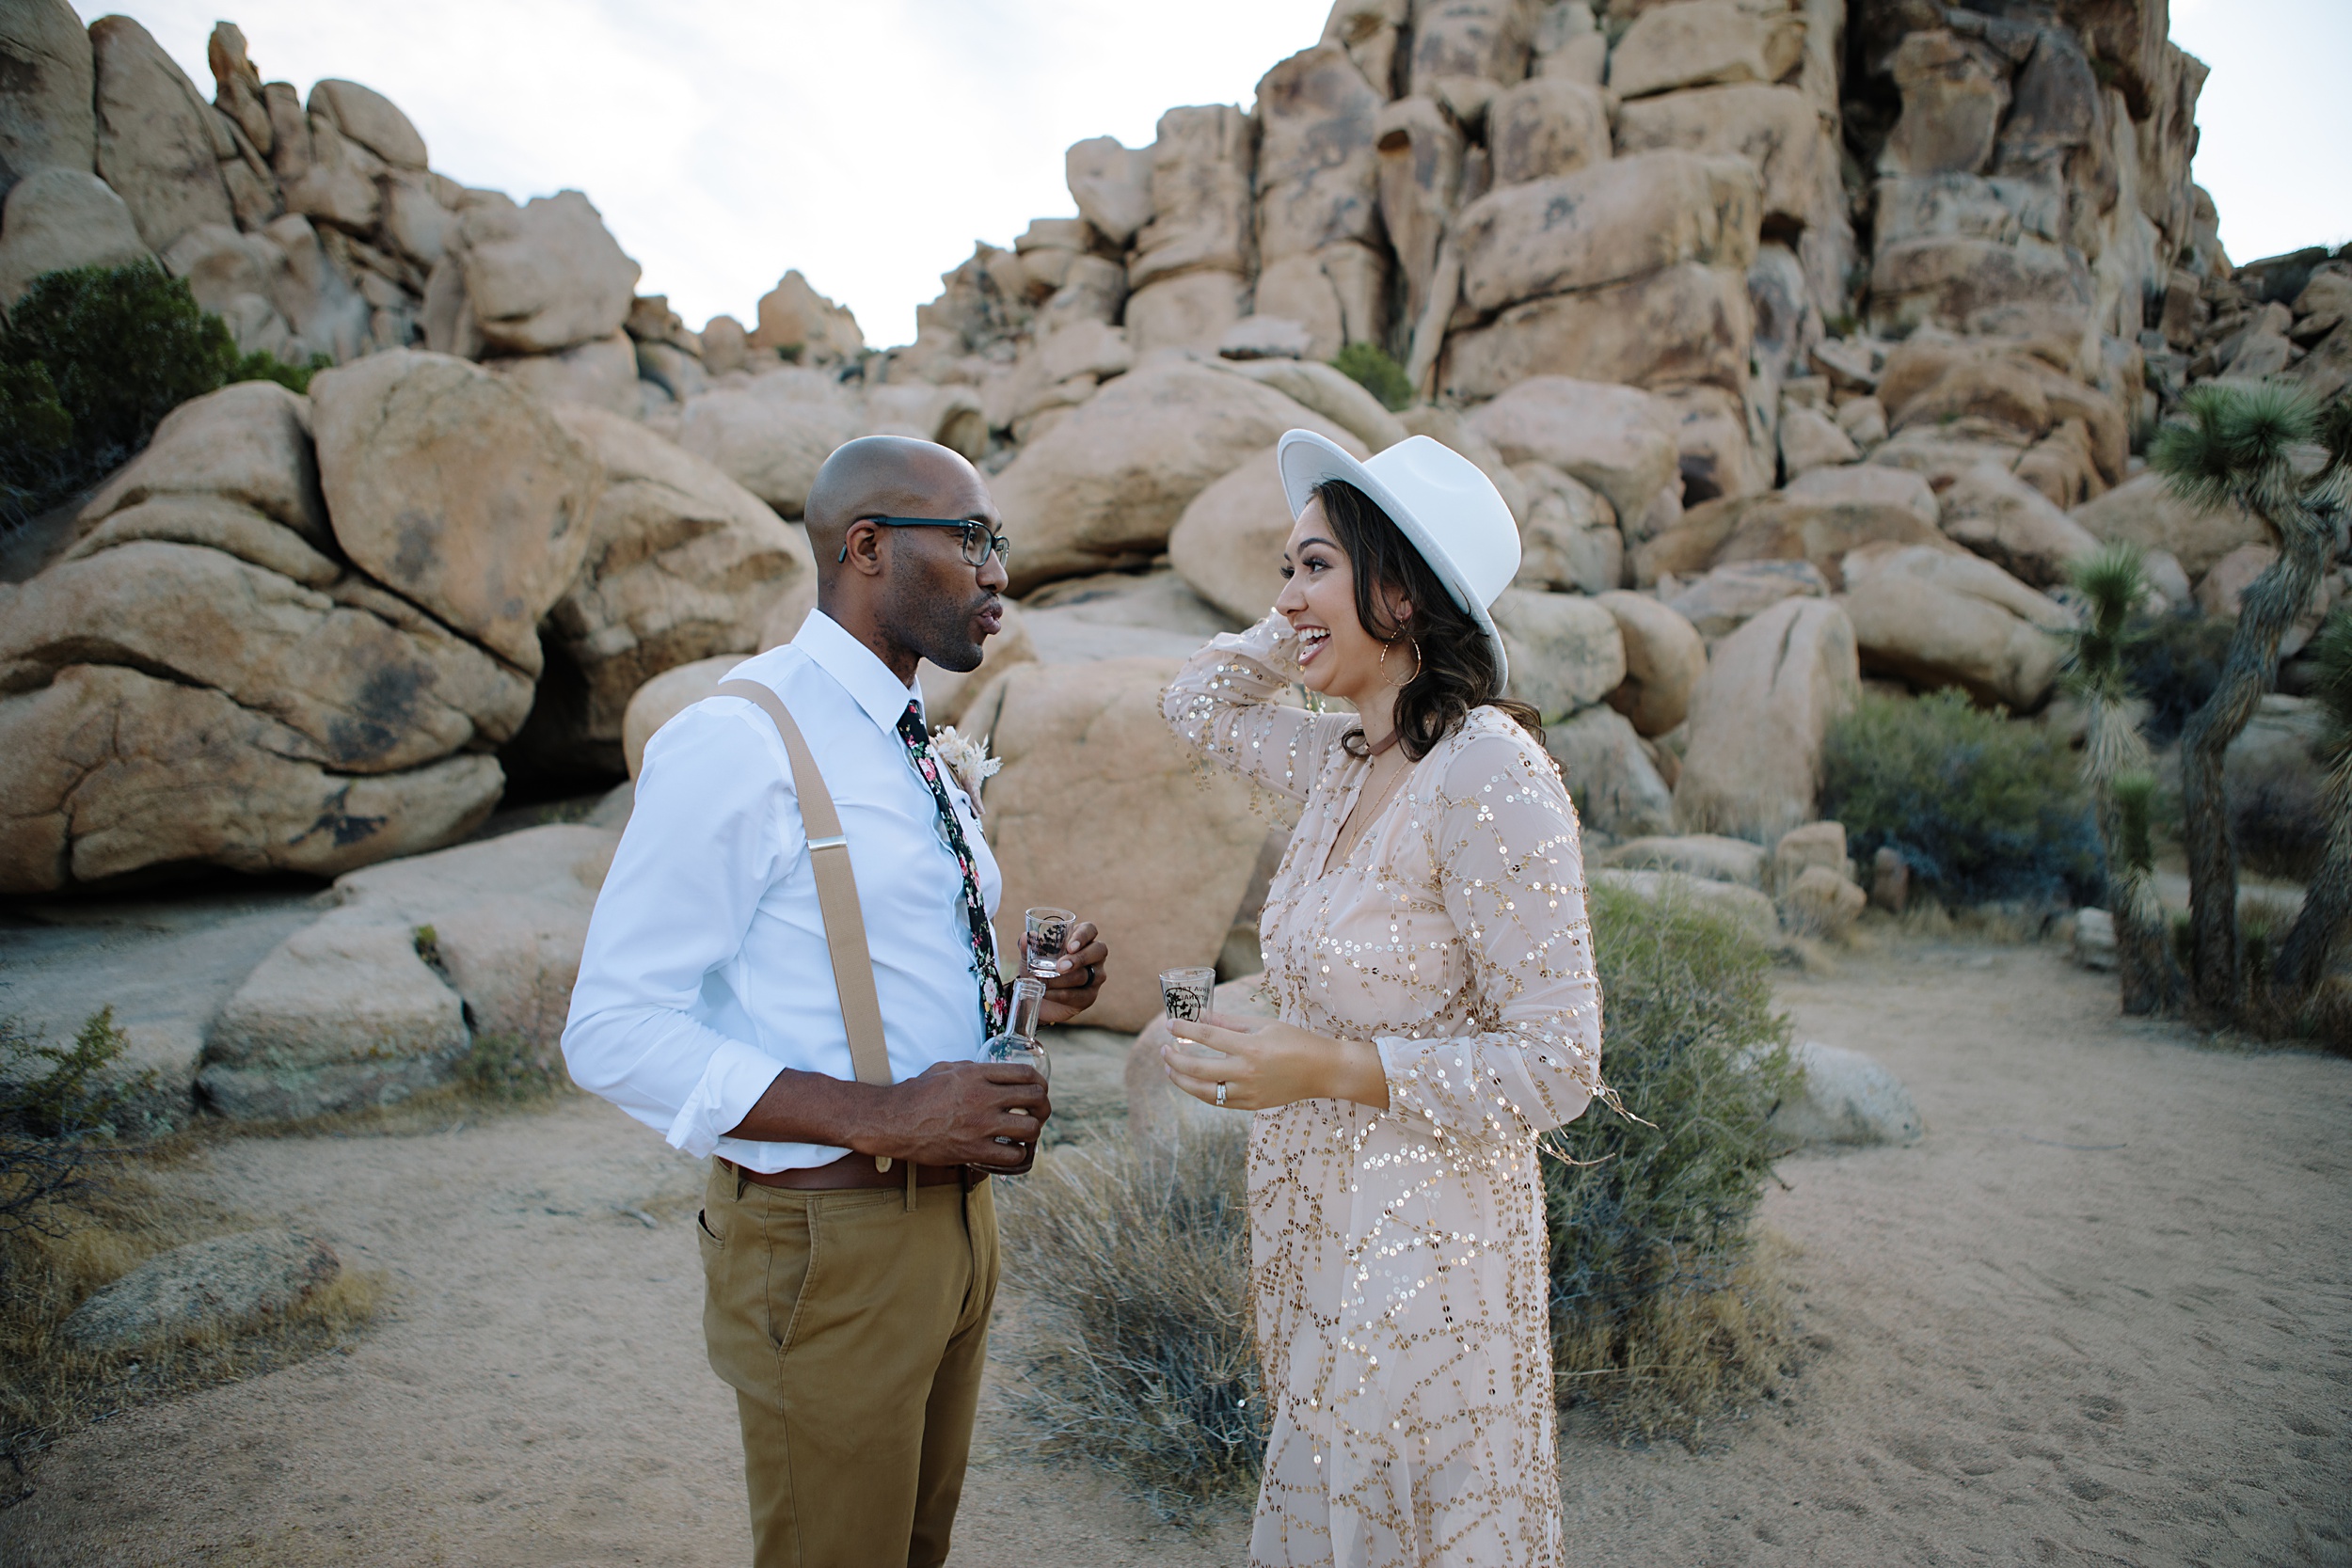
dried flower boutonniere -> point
(967, 759)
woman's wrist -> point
(1359, 1074)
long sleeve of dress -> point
(1505, 836)
(1224, 703)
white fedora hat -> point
(1451, 511)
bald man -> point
(852, 1327)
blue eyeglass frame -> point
(997, 543)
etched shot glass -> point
(1043, 935)
(1186, 993)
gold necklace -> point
(1366, 815)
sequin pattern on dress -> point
(1398, 1256)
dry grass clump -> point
(1684, 1354)
(1135, 1338)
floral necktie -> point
(918, 743)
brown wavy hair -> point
(1457, 664)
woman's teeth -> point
(1310, 642)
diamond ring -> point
(1220, 1094)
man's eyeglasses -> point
(979, 540)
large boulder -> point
(1664, 658)
(46, 115)
(1690, 322)
(1608, 223)
(2015, 526)
(454, 491)
(1103, 487)
(1616, 788)
(159, 144)
(1785, 525)
(248, 443)
(1938, 619)
(1112, 185)
(227, 1282)
(1336, 396)
(1187, 311)
(544, 275)
(1620, 440)
(57, 218)
(1202, 196)
(802, 324)
(1569, 537)
(682, 565)
(1781, 131)
(771, 436)
(1847, 1098)
(363, 115)
(1741, 905)
(1317, 173)
(1228, 545)
(1163, 901)
(1546, 126)
(599, 374)
(107, 770)
(1752, 768)
(1565, 651)
(1735, 593)
(1708, 857)
(1690, 43)
(2144, 511)
(663, 698)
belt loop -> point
(911, 1170)
(742, 1182)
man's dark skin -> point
(909, 594)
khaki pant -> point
(854, 1334)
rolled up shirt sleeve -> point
(714, 825)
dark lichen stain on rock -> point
(344, 827)
(420, 535)
(386, 710)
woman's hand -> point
(1266, 1065)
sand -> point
(2101, 1313)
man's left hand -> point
(1073, 989)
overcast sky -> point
(869, 142)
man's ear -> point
(862, 547)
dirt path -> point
(2102, 1313)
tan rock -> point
(1690, 322)
(1228, 545)
(1330, 393)
(1811, 439)
(106, 771)
(1712, 447)
(600, 374)
(724, 345)
(249, 442)
(2222, 593)
(1759, 718)
(1940, 454)
(1619, 441)
(1744, 906)
(1296, 288)
(46, 118)
(1822, 903)
(1938, 619)
(1777, 128)
(1868, 485)
(1610, 777)
(682, 565)
(329, 177)
(804, 327)
(216, 523)
(1971, 284)
(1484, 40)
(1708, 857)
(1202, 202)
(1112, 187)
(339, 995)
(663, 698)
(1784, 526)
(1864, 419)
(156, 145)
(1568, 539)
(455, 492)
(367, 116)
(1318, 176)
(57, 218)
(1085, 348)
(1955, 91)
(1565, 649)
(2143, 511)
(1185, 310)
(948, 693)
(1162, 902)
(1546, 126)
(1103, 487)
(1609, 223)
(1731, 596)
(1690, 43)
(2012, 524)
(1664, 658)
(1421, 150)
(1801, 849)
(544, 275)
(771, 436)
(950, 416)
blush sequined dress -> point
(1398, 1256)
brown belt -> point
(854, 1171)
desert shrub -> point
(2174, 661)
(1981, 808)
(1371, 367)
(1134, 1334)
(1660, 1314)
(91, 358)
(60, 1106)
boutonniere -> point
(967, 760)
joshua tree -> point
(2327, 916)
(2268, 449)
(2117, 765)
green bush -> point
(2174, 661)
(1656, 1314)
(58, 1103)
(1372, 368)
(1979, 807)
(90, 361)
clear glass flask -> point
(1019, 1042)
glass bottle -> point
(1019, 1042)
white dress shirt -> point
(707, 972)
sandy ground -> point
(2100, 1314)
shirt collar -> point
(863, 675)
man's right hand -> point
(953, 1113)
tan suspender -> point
(836, 899)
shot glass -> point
(1043, 935)
(1186, 993)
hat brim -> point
(1307, 460)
